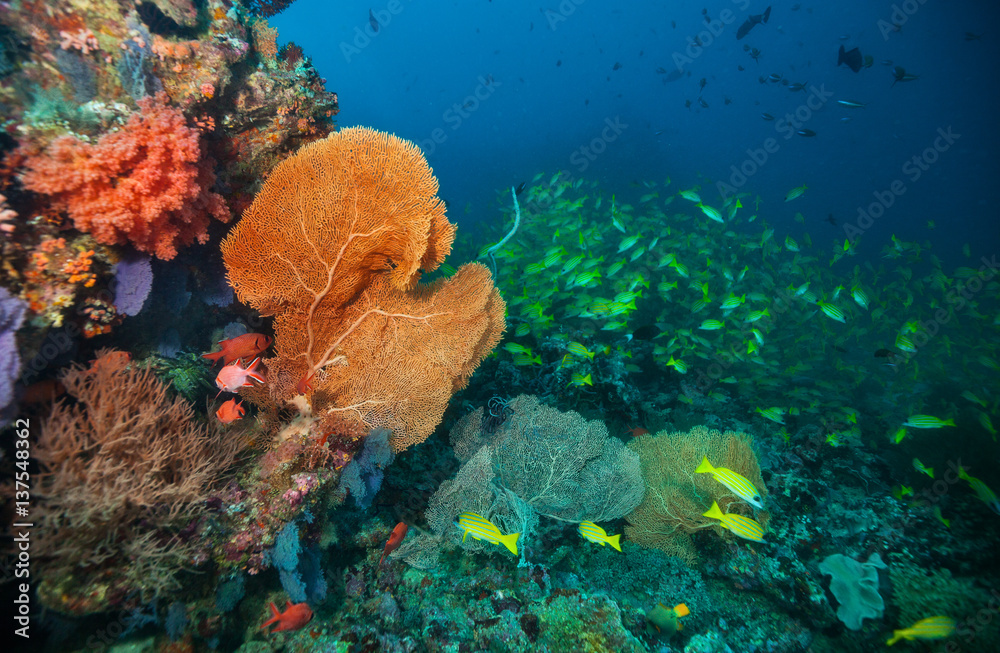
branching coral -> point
(125, 472)
(333, 246)
(147, 184)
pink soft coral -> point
(146, 184)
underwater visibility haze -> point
(499, 326)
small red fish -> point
(230, 411)
(233, 377)
(395, 540)
(294, 617)
(247, 346)
(43, 392)
(636, 431)
(305, 384)
(110, 361)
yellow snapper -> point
(483, 529)
(628, 242)
(739, 484)
(937, 627)
(711, 212)
(741, 526)
(920, 467)
(833, 312)
(927, 422)
(517, 348)
(691, 195)
(578, 349)
(985, 494)
(680, 366)
(795, 192)
(732, 302)
(774, 414)
(591, 531)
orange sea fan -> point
(333, 246)
(356, 202)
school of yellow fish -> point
(791, 324)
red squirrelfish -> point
(293, 618)
(230, 411)
(233, 377)
(247, 346)
(395, 540)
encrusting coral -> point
(333, 246)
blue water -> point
(539, 90)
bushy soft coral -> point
(146, 184)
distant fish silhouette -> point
(831, 220)
(851, 58)
(373, 21)
(899, 74)
(751, 21)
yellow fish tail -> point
(714, 512)
(896, 636)
(615, 541)
(510, 541)
(705, 467)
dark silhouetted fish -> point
(520, 188)
(751, 21)
(646, 332)
(899, 74)
(831, 220)
(851, 58)
(372, 21)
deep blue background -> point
(555, 86)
